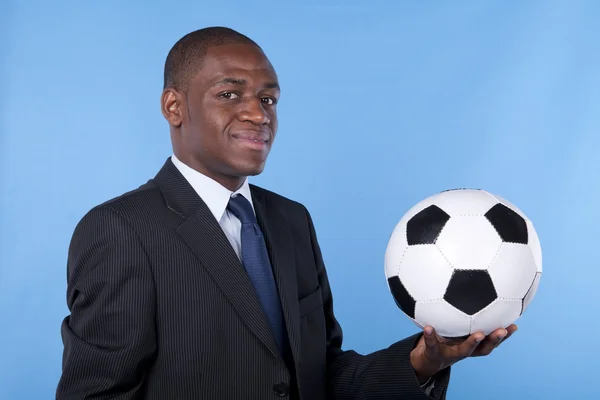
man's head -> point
(220, 96)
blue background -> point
(384, 103)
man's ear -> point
(171, 105)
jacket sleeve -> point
(109, 337)
(384, 374)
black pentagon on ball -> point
(511, 227)
(426, 225)
(470, 291)
(403, 299)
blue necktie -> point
(255, 259)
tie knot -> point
(242, 209)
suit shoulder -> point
(130, 202)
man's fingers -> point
(431, 341)
(470, 345)
(492, 341)
(511, 329)
(502, 334)
(496, 337)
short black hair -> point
(185, 57)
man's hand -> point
(434, 353)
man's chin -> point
(255, 171)
(250, 169)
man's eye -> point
(269, 100)
(229, 95)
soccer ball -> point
(463, 261)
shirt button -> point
(281, 389)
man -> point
(198, 285)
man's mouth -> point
(255, 140)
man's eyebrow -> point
(243, 82)
(233, 81)
(272, 85)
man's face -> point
(228, 117)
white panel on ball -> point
(424, 264)
(465, 202)
(445, 319)
(469, 242)
(500, 314)
(513, 271)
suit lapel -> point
(206, 239)
(280, 244)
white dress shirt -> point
(216, 197)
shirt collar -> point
(215, 195)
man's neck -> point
(232, 183)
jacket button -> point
(281, 389)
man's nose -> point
(254, 112)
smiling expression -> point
(224, 123)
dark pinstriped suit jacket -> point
(161, 308)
